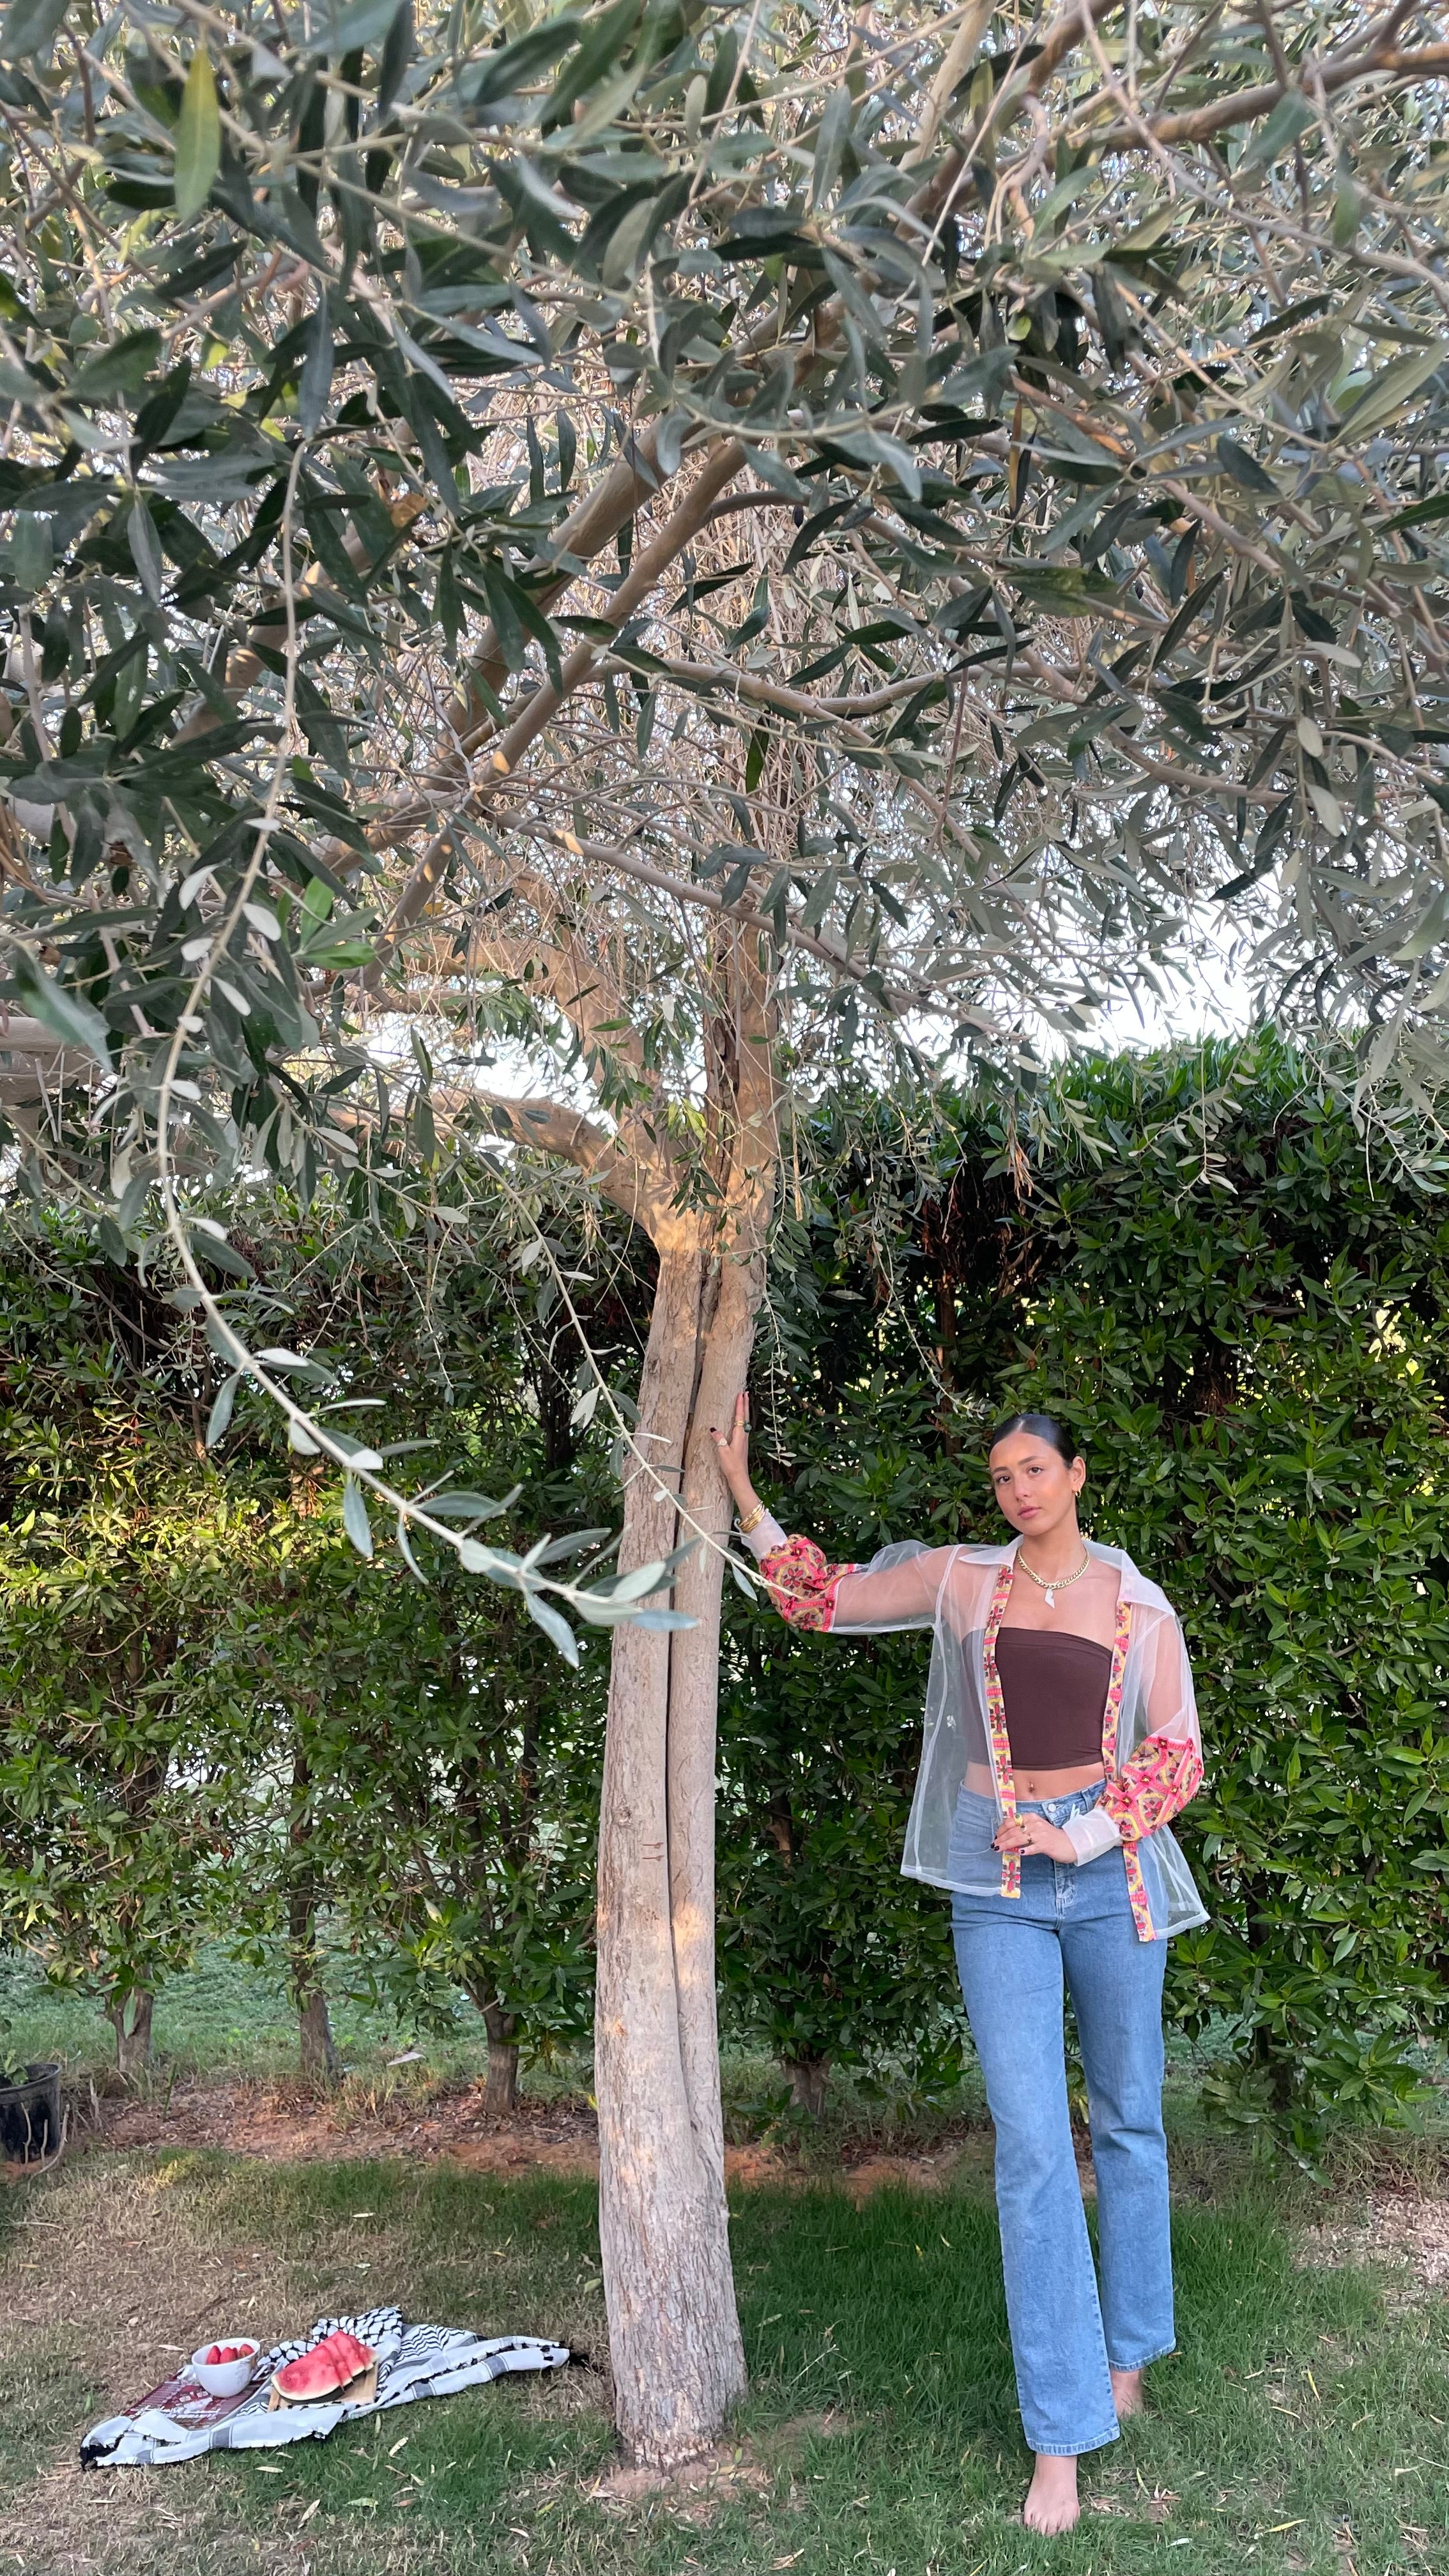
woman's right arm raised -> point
(804, 1586)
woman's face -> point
(1034, 1486)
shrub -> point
(1195, 1260)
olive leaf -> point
(198, 137)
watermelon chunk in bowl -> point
(230, 2372)
(325, 2371)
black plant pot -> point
(30, 2116)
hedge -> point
(1239, 1307)
(1236, 1301)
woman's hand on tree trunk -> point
(733, 1452)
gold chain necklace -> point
(1058, 1582)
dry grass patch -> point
(105, 2287)
(107, 2255)
(115, 2269)
(1403, 2231)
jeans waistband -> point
(1056, 1810)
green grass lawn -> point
(1302, 2427)
(225, 2016)
(1301, 2431)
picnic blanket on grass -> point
(178, 2420)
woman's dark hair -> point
(1041, 1426)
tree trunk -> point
(674, 2332)
(808, 2078)
(130, 2018)
(500, 2089)
(320, 2061)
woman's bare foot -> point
(1051, 2499)
(1127, 2394)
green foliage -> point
(1194, 1258)
(217, 1717)
(120, 1767)
(1108, 445)
(451, 1789)
(1241, 1314)
(825, 1950)
(450, 1775)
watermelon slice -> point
(322, 2372)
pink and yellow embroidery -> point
(1159, 1781)
(1112, 1713)
(997, 1735)
(1164, 1774)
(802, 1585)
(1000, 1742)
(1137, 1896)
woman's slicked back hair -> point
(1040, 1426)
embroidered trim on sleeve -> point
(1162, 1776)
(996, 1730)
(1112, 1712)
(802, 1585)
(1137, 1896)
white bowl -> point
(224, 2378)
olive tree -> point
(706, 545)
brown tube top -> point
(1055, 1689)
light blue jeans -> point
(1071, 1924)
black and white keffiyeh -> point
(413, 2361)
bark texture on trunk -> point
(674, 2332)
(321, 2063)
(704, 1193)
(807, 2078)
(500, 2085)
(130, 2019)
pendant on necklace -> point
(1051, 1598)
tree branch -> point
(33, 1060)
(788, 701)
(777, 693)
(639, 1188)
(720, 467)
(912, 994)
(576, 977)
(1245, 106)
(584, 533)
(952, 70)
(1063, 36)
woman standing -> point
(1061, 1736)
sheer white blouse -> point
(1151, 1745)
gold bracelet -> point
(753, 1523)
